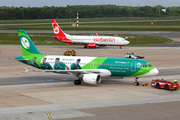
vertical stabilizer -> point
(58, 33)
(27, 46)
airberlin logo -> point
(104, 39)
(56, 30)
(25, 43)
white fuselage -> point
(99, 40)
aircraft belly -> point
(99, 43)
(119, 72)
(81, 40)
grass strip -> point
(131, 26)
(86, 19)
(47, 39)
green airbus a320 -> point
(86, 69)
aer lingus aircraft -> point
(87, 41)
(86, 69)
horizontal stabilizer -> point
(23, 60)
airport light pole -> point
(151, 23)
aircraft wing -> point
(84, 41)
(81, 42)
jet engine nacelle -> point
(91, 44)
(92, 78)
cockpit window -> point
(147, 66)
(123, 39)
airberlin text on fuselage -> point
(104, 39)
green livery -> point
(45, 66)
(29, 50)
(74, 66)
(84, 66)
(60, 66)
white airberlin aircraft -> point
(87, 41)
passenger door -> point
(133, 66)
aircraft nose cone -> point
(127, 42)
(154, 72)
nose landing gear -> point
(136, 81)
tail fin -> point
(27, 46)
(96, 34)
(58, 33)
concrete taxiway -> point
(167, 34)
(60, 23)
(43, 96)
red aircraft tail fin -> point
(96, 34)
(58, 33)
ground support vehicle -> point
(164, 84)
(131, 55)
(70, 53)
(144, 84)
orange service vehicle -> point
(70, 53)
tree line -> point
(86, 11)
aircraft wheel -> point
(77, 82)
(136, 83)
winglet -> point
(96, 34)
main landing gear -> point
(121, 46)
(77, 82)
(85, 46)
(136, 81)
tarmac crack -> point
(6, 104)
